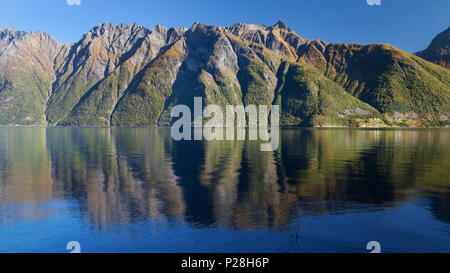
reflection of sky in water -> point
(136, 190)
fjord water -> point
(137, 190)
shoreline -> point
(281, 127)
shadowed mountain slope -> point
(439, 50)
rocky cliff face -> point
(28, 64)
(131, 75)
(439, 50)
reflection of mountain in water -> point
(127, 175)
(24, 171)
(117, 175)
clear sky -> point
(407, 24)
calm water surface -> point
(136, 190)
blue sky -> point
(407, 24)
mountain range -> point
(129, 75)
(439, 50)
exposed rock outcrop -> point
(439, 50)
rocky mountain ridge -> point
(128, 75)
(438, 51)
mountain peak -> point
(8, 29)
(109, 30)
(11, 33)
(161, 29)
(111, 27)
(438, 51)
(196, 25)
(281, 24)
(7, 35)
